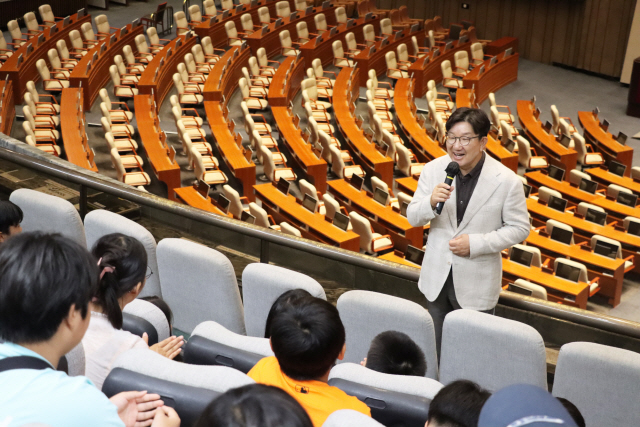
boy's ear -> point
(341, 355)
(270, 344)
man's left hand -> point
(136, 408)
(460, 245)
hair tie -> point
(105, 269)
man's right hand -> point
(441, 193)
(166, 417)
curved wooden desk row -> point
(494, 77)
(217, 32)
(157, 78)
(7, 106)
(74, 136)
(155, 144)
(20, 74)
(312, 225)
(230, 147)
(286, 82)
(221, 83)
(605, 177)
(426, 149)
(345, 92)
(384, 219)
(191, 197)
(604, 142)
(98, 75)
(271, 40)
(432, 70)
(545, 143)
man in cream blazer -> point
(485, 212)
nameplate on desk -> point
(82, 12)
(88, 68)
(493, 61)
(436, 53)
(169, 52)
(481, 71)
(351, 23)
(103, 47)
(124, 30)
(243, 46)
(239, 8)
(113, 38)
(326, 5)
(254, 3)
(225, 14)
(178, 44)
(463, 40)
(213, 20)
(415, 28)
(41, 38)
(293, 16)
(333, 31)
(318, 39)
(65, 22)
(135, 23)
(29, 49)
(368, 16)
(425, 61)
(384, 42)
(265, 30)
(278, 23)
(399, 34)
(448, 46)
(53, 29)
(372, 50)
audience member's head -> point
(10, 219)
(163, 306)
(458, 404)
(524, 404)
(573, 411)
(283, 301)
(307, 338)
(47, 283)
(394, 352)
(122, 262)
(254, 405)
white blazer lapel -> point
(487, 184)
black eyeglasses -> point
(149, 273)
(464, 140)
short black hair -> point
(255, 405)
(42, 276)
(284, 300)
(457, 404)
(573, 411)
(10, 216)
(477, 118)
(307, 338)
(393, 352)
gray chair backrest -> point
(262, 284)
(601, 381)
(187, 388)
(396, 400)
(141, 316)
(76, 361)
(199, 284)
(491, 351)
(49, 214)
(213, 344)
(100, 222)
(350, 418)
(365, 314)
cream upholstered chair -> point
(584, 206)
(210, 176)
(504, 112)
(195, 15)
(89, 36)
(314, 92)
(5, 52)
(48, 146)
(197, 134)
(403, 57)
(49, 108)
(182, 25)
(537, 291)
(253, 98)
(189, 121)
(369, 34)
(132, 65)
(262, 219)
(582, 277)
(302, 30)
(461, 59)
(226, 4)
(341, 15)
(378, 183)
(495, 120)
(386, 27)
(353, 47)
(555, 120)
(287, 45)
(386, 91)
(274, 174)
(263, 15)
(193, 67)
(287, 228)
(46, 14)
(258, 141)
(448, 79)
(536, 259)
(393, 69)
(117, 114)
(31, 22)
(264, 61)
(545, 193)
(404, 161)
(321, 23)
(379, 102)
(103, 27)
(236, 207)
(256, 72)
(129, 161)
(418, 51)
(78, 48)
(370, 242)
(552, 223)
(59, 72)
(262, 125)
(525, 157)
(119, 125)
(444, 105)
(135, 178)
(155, 42)
(187, 94)
(43, 126)
(477, 54)
(129, 79)
(65, 56)
(202, 59)
(210, 9)
(635, 173)
(586, 155)
(120, 90)
(613, 190)
(232, 34)
(339, 167)
(339, 57)
(576, 176)
(123, 143)
(318, 71)
(283, 10)
(144, 53)
(50, 84)
(209, 50)
(246, 22)
(17, 35)
(301, 5)
(628, 264)
(42, 110)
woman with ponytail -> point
(122, 262)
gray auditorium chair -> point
(365, 314)
(262, 284)
(49, 214)
(186, 388)
(491, 351)
(76, 361)
(199, 284)
(213, 344)
(140, 316)
(395, 400)
(601, 381)
(350, 418)
(100, 222)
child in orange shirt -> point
(307, 337)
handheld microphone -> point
(452, 170)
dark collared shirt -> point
(465, 186)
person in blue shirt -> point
(46, 283)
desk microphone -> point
(452, 170)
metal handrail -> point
(33, 158)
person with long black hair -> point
(122, 261)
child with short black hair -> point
(10, 218)
(393, 352)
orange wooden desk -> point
(271, 40)
(558, 290)
(604, 142)
(384, 219)
(155, 145)
(231, 153)
(217, 32)
(315, 168)
(610, 271)
(219, 85)
(605, 177)
(501, 154)
(98, 76)
(74, 136)
(311, 225)
(284, 87)
(576, 195)
(466, 98)
(432, 70)
(546, 144)
(376, 61)
(21, 74)
(7, 107)
(346, 91)
(191, 197)
(426, 149)
(407, 185)
(160, 83)
(391, 256)
(500, 45)
(505, 71)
